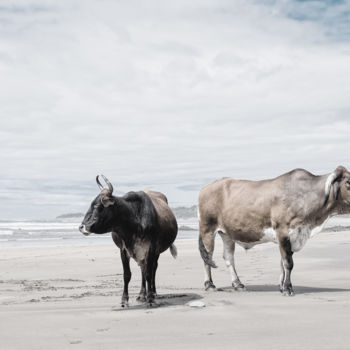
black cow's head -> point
(99, 217)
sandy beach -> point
(69, 298)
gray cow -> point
(286, 210)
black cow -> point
(142, 226)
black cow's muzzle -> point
(84, 230)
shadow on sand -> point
(162, 300)
(275, 288)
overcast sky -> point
(167, 95)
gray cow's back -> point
(245, 208)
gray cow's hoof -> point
(238, 286)
(288, 291)
(209, 285)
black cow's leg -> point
(142, 294)
(155, 266)
(287, 261)
(149, 273)
(127, 276)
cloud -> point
(166, 95)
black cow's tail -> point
(173, 251)
(204, 253)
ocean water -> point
(58, 233)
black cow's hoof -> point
(152, 304)
(209, 285)
(141, 298)
(125, 301)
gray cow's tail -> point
(204, 254)
(173, 251)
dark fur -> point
(142, 226)
(204, 254)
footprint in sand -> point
(102, 330)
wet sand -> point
(69, 298)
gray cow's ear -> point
(333, 181)
(339, 174)
(336, 187)
(107, 201)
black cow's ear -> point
(107, 201)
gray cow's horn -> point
(110, 187)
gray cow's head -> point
(99, 217)
(339, 183)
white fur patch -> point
(298, 236)
(84, 231)
(140, 250)
(269, 235)
(328, 184)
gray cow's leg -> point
(282, 276)
(287, 260)
(207, 241)
(208, 281)
(229, 251)
(127, 276)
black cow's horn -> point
(110, 187)
(99, 183)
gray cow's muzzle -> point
(84, 231)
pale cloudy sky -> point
(168, 95)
